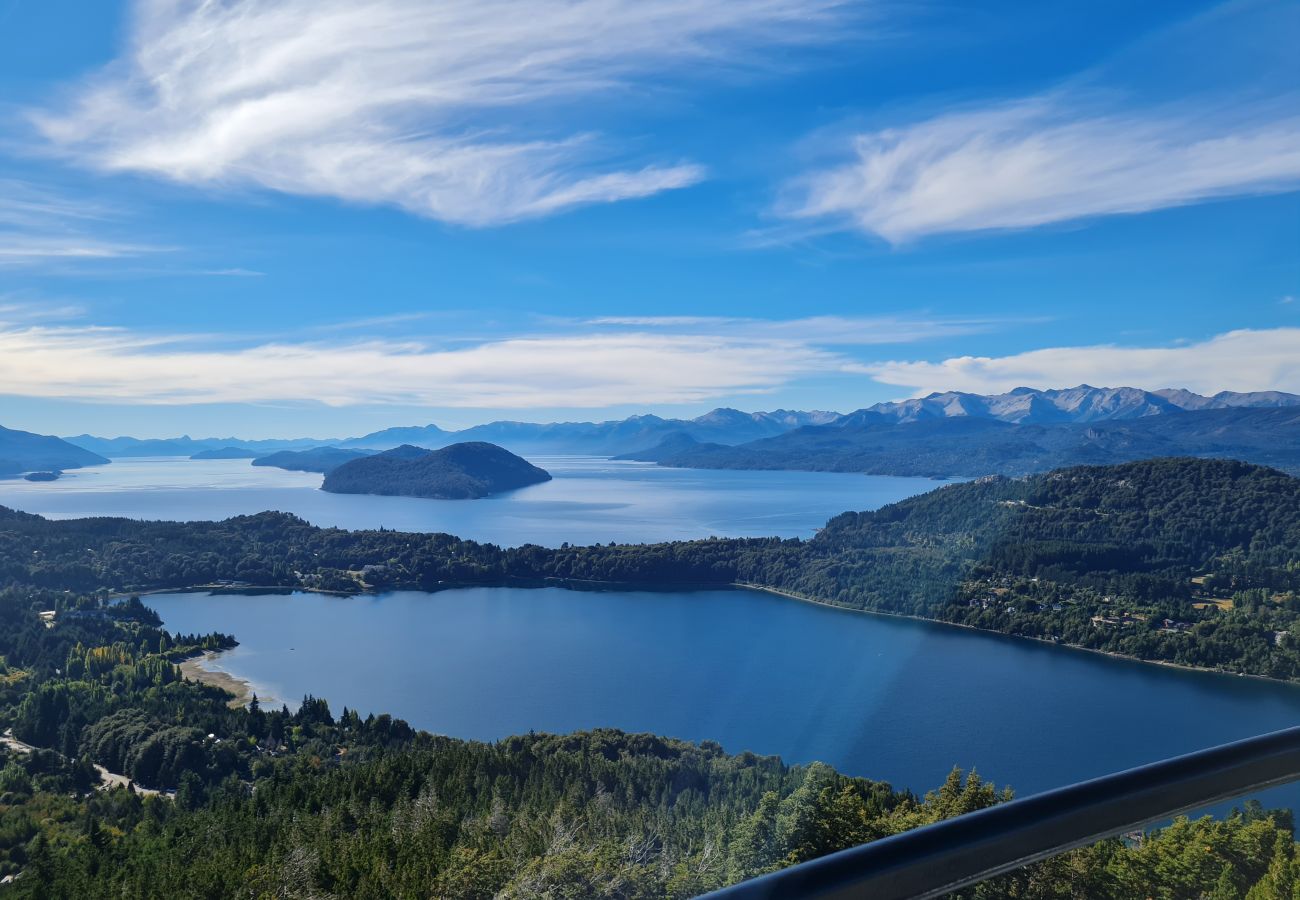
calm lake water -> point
(890, 699)
(590, 500)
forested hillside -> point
(1188, 561)
(313, 803)
(269, 803)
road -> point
(107, 780)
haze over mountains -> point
(23, 451)
(950, 433)
(724, 426)
(317, 459)
(128, 447)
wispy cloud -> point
(825, 330)
(39, 225)
(1244, 360)
(663, 321)
(18, 308)
(1046, 160)
(574, 371)
(603, 362)
(25, 205)
(401, 102)
(233, 273)
(373, 322)
(17, 249)
(1207, 107)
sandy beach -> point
(195, 669)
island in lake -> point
(317, 459)
(460, 472)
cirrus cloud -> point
(1043, 161)
(40, 226)
(400, 102)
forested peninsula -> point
(259, 802)
(1189, 561)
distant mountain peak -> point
(1082, 403)
(725, 414)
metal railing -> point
(934, 860)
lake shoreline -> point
(193, 668)
(781, 679)
(593, 584)
(1020, 637)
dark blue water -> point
(589, 501)
(890, 699)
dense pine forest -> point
(1186, 560)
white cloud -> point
(821, 330)
(99, 364)
(1244, 360)
(24, 205)
(17, 249)
(643, 360)
(233, 273)
(20, 308)
(39, 225)
(401, 101)
(1049, 160)
(663, 321)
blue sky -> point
(326, 217)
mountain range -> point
(949, 433)
(130, 447)
(723, 426)
(974, 445)
(1029, 406)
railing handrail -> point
(936, 859)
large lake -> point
(590, 500)
(892, 699)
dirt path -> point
(108, 780)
